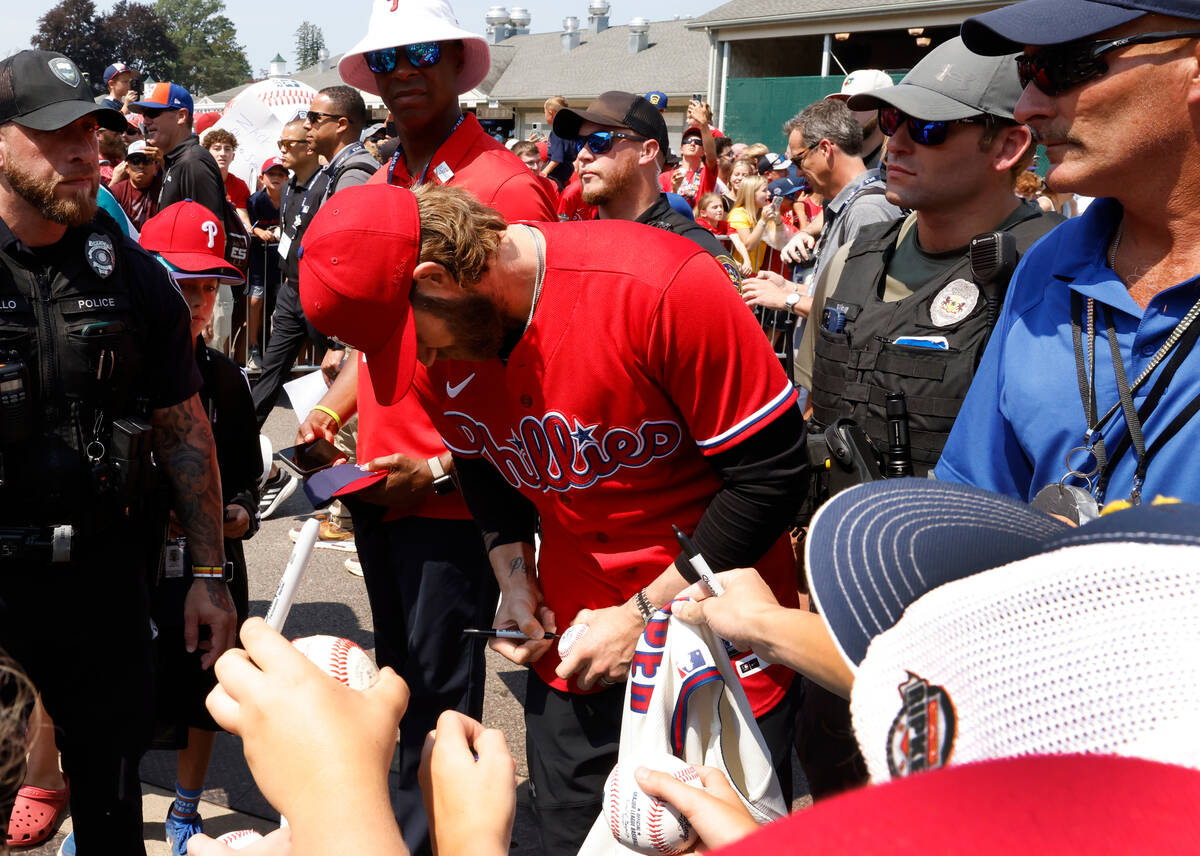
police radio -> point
(16, 403)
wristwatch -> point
(790, 302)
(443, 483)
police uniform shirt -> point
(661, 215)
(909, 264)
(169, 364)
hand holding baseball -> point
(605, 652)
(462, 757)
(715, 811)
(329, 776)
(277, 843)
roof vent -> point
(639, 35)
(598, 15)
(519, 20)
(497, 24)
(570, 33)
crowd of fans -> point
(782, 339)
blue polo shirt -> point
(1024, 413)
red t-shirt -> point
(474, 161)
(606, 412)
(696, 183)
(236, 191)
(722, 228)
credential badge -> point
(954, 302)
(100, 254)
(65, 70)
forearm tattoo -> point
(517, 566)
(184, 446)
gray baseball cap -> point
(951, 83)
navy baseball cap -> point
(115, 69)
(787, 186)
(876, 548)
(165, 96)
(1052, 22)
(45, 91)
(658, 99)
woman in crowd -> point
(750, 220)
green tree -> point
(309, 43)
(71, 29)
(138, 36)
(210, 58)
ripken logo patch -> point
(65, 70)
(922, 734)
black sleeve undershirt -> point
(765, 478)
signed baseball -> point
(340, 658)
(645, 823)
(240, 839)
(570, 636)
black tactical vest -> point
(854, 370)
(73, 323)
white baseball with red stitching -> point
(341, 659)
(570, 636)
(239, 839)
(645, 823)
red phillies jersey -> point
(638, 364)
(571, 205)
(474, 161)
(696, 182)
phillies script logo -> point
(554, 453)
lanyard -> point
(400, 152)
(1086, 376)
(283, 210)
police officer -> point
(98, 390)
(900, 308)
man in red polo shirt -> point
(577, 387)
(423, 561)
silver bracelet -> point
(643, 605)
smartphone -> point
(308, 458)
(696, 96)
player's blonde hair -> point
(457, 231)
(16, 702)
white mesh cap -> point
(1090, 648)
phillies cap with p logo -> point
(191, 239)
(45, 91)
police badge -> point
(101, 255)
(954, 303)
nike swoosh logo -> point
(453, 391)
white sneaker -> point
(277, 489)
(354, 567)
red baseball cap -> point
(356, 272)
(191, 239)
(270, 163)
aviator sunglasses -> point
(922, 132)
(601, 141)
(420, 55)
(1054, 70)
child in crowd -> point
(189, 241)
(710, 214)
(750, 219)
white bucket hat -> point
(395, 23)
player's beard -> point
(479, 331)
(74, 210)
(612, 186)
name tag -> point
(285, 243)
(443, 173)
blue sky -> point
(265, 29)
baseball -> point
(645, 823)
(570, 636)
(240, 839)
(341, 659)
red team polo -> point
(607, 409)
(474, 161)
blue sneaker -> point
(180, 829)
(67, 848)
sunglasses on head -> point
(1058, 68)
(601, 141)
(922, 132)
(420, 55)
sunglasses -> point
(137, 160)
(798, 159)
(691, 141)
(420, 55)
(601, 141)
(284, 145)
(155, 112)
(922, 132)
(316, 117)
(1057, 69)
